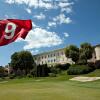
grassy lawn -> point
(95, 73)
(49, 89)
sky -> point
(55, 24)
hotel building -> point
(52, 57)
(58, 57)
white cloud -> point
(65, 4)
(66, 34)
(19, 40)
(32, 3)
(39, 37)
(48, 4)
(68, 10)
(34, 51)
(51, 24)
(62, 19)
(28, 10)
(34, 25)
(40, 16)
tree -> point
(2, 71)
(86, 51)
(22, 60)
(26, 60)
(14, 61)
(40, 71)
(72, 52)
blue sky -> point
(56, 24)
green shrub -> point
(52, 74)
(40, 71)
(54, 70)
(91, 64)
(63, 66)
(97, 64)
(29, 75)
(12, 76)
(78, 69)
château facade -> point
(58, 57)
(52, 57)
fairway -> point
(49, 89)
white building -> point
(58, 57)
(52, 58)
(97, 52)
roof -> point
(58, 50)
(49, 52)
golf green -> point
(48, 89)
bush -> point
(12, 76)
(29, 75)
(82, 62)
(52, 74)
(54, 70)
(97, 64)
(91, 64)
(58, 66)
(40, 71)
(79, 69)
(63, 66)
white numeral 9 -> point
(10, 29)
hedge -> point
(79, 69)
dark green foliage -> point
(12, 76)
(79, 69)
(22, 61)
(14, 61)
(40, 71)
(72, 51)
(63, 66)
(82, 59)
(2, 72)
(79, 56)
(55, 70)
(97, 64)
(29, 75)
(86, 51)
(92, 65)
(52, 74)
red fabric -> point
(21, 29)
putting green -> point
(48, 89)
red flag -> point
(11, 29)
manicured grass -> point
(56, 88)
(95, 73)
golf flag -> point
(11, 29)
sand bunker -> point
(85, 79)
